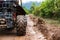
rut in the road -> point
(39, 27)
(32, 33)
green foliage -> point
(51, 8)
(48, 9)
(26, 10)
(35, 9)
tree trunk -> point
(21, 2)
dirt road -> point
(11, 38)
(31, 34)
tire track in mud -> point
(31, 33)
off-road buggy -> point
(12, 16)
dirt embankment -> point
(40, 26)
(50, 32)
(55, 31)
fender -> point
(20, 10)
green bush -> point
(47, 9)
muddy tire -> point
(21, 25)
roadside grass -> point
(52, 21)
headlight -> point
(2, 19)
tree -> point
(48, 9)
(34, 9)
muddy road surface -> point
(6, 37)
(31, 34)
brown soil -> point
(51, 32)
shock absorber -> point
(14, 16)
